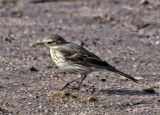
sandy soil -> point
(125, 33)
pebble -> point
(157, 43)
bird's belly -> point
(68, 66)
(75, 68)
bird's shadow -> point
(128, 92)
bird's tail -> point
(123, 74)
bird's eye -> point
(49, 42)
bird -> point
(76, 59)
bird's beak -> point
(40, 43)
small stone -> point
(115, 1)
(33, 69)
(144, 2)
(73, 97)
(143, 25)
(22, 83)
(109, 18)
(67, 94)
(85, 39)
(157, 43)
(103, 80)
(8, 39)
(36, 96)
(19, 14)
(123, 78)
(90, 98)
(49, 66)
(138, 78)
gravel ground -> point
(125, 33)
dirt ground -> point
(125, 33)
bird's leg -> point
(69, 83)
(83, 77)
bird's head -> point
(54, 40)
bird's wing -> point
(79, 55)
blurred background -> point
(125, 33)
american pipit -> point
(76, 59)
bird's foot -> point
(65, 86)
(71, 87)
(69, 84)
